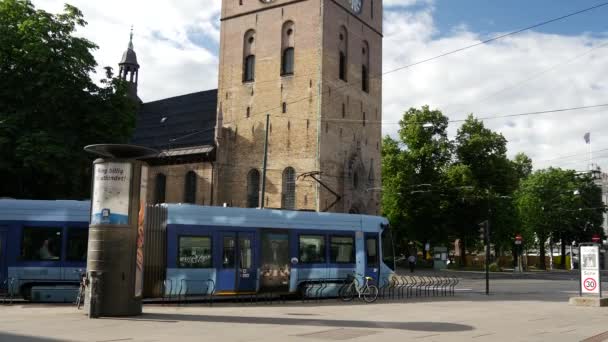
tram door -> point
(3, 257)
(372, 253)
(237, 271)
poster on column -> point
(590, 269)
(139, 266)
(111, 184)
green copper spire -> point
(131, 39)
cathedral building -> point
(304, 73)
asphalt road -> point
(551, 286)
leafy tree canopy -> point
(49, 106)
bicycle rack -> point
(382, 288)
(188, 288)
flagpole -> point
(588, 142)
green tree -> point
(559, 205)
(412, 170)
(49, 106)
(523, 165)
(484, 153)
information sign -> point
(111, 193)
(590, 269)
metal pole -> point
(571, 258)
(488, 257)
(265, 164)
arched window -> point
(288, 61)
(288, 198)
(253, 189)
(249, 56)
(287, 49)
(190, 188)
(159, 190)
(343, 54)
(365, 67)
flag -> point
(588, 137)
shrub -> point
(494, 267)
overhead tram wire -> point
(499, 37)
(533, 77)
(560, 110)
(546, 22)
(574, 155)
(534, 113)
(357, 121)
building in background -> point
(601, 180)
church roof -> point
(130, 57)
(177, 122)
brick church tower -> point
(315, 67)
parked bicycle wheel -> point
(370, 294)
(347, 292)
(80, 298)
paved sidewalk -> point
(468, 316)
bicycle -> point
(368, 291)
(82, 290)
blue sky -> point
(490, 16)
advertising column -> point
(115, 260)
(139, 265)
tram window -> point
(78, 240)
(41, 244)
(228, 254)
(388, 252)
(194, 252)
(372, 251)
(312, 249)
(245, 253)
(342, 251)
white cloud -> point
(468, 82)
(174, 63)
(170, 66)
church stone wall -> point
(352, 117)
(293, 133)
(176, 180)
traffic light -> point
(483, 231)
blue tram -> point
(242, 251)
(43, 247)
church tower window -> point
(343, 54)
(288, 49)
(253, 189)
(190, 188)
(365, 67)
(288, 198)
(249, 56)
